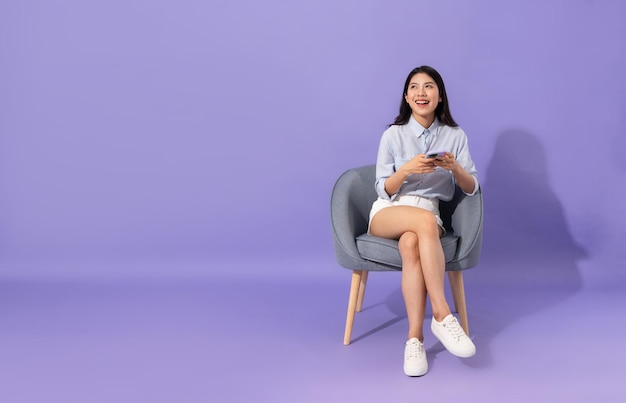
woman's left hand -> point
(447, 162)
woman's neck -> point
(425, 121)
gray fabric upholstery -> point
(351, 200)
(385, 251)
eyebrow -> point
(427, 82)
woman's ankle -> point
(441, 315)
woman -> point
(410, 182)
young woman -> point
(410, 181)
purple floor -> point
(173, 333)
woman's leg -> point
(394, 222)
(413, 287)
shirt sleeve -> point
(385, 167)
(464, 158)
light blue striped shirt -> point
(399, 144)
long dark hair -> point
(443, 108)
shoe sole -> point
(458, 353)
(416, 373)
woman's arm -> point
(463, 179)
(417, 165)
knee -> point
(427, 225)
(407, 244)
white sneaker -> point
(415, 363)
(453, 337)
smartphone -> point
(435, 154)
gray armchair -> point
(351, 200)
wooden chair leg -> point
(359, 301)
(352, 304)
(458, 296)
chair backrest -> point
(351, 201)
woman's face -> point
(422, 95)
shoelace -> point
(414, 350)
(455, 329)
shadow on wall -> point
(529, 259)
(524, 220)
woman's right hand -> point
(415, 166)
(418, 165)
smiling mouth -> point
(422, 102)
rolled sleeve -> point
(465, 159)
(476, 186)
(385, 167)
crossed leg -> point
(423, 262)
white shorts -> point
(426, 203)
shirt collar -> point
(418, 129)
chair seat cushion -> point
(383, 250)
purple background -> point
(142, 128)
(201, 139)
